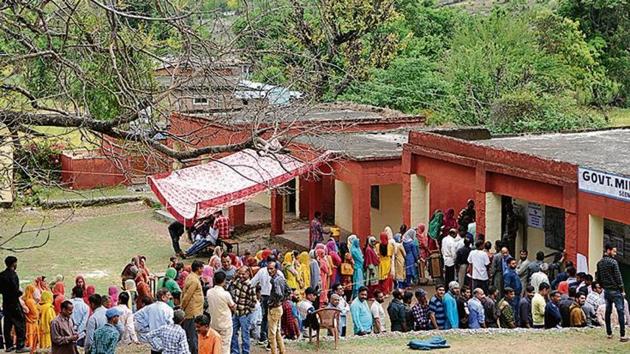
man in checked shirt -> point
(609, 276)
(244, 295)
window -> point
(375, 197)
(200, 100)
(554, 228)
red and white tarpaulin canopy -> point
(196, 192)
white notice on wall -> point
(535, 216)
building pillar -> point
(492, 218)
(571, 235)
(406, 198)
(237, 215)
(595, 241)
(303, 190)
(480, 200)
(419, 202)
(277, 213)
(314, 198)
(361, 220)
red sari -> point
(324, 274)
(371, 266)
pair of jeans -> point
(515, 303)
(614, 297)
(175, 242)
(264, 305)
(14, 318)
(482, 284)
(275, 335)
(241, 323)
(191, 334)
(198, 246)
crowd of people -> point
(227, 303)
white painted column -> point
(493, 217)
(297, 197)
(343, 205)
(595, 242)
(419, 203)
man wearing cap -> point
(450, 305)
(420, 312)
(106, 337)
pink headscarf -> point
(113, 294)
(331, 246)
(208, 275)
(423, 239)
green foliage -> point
(606, 24)
(407, 84)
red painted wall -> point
(86, 173)
(451, 185)
(521, 188)
(597, 205)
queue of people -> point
(226, 304)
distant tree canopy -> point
(517, 68)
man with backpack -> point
(279, 292)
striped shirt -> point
(436, 307)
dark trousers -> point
(191, 334)
(614, 297)
(449, 275)
(517, 316)
(14, 318)
(483, 284)
(175, 241)
(154, 352)
(264, 304)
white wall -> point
(390, 211)
(419, 203)
(343, 205)
(493, 217)
(535, 236)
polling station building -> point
(551, 191)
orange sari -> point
(32, 318)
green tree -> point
(606, 24)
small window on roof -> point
(375, 197)
(200, 100)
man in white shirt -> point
(449, 252)
(378, 313)
(220, 307)
(479, 260)
(540, 276)
(153, 316)
(307, 310)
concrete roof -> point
(303, 112)
(360, 146)
(604, 150)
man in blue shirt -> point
(360, 312)
(436, 308)
(450, 305)
(476, 312)
(80, 313)
(106, 337)
(97, 320)
(513, 281)
(154, 316)
(553, 318)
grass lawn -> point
(590, 341)
(620, 117)
(96, 242)
(56, 193)
(73, 138)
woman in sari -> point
(169, 283)
(371, 263)
(59, 294)
(385, 251)
(357, 257)
(435, 230)
(207, 277)
(335, 260)
(305, 270)
(324, 272)
(143, 269)
(130, 271)
(411, 257)
(32, 317)
(291, 274)
(316, 280)
(113, 295)
(89, 291)
(143, 291)
(399, 262)
(215, 260)
(46, 315)
(130, 289)
(423, 238)
(450, 222)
